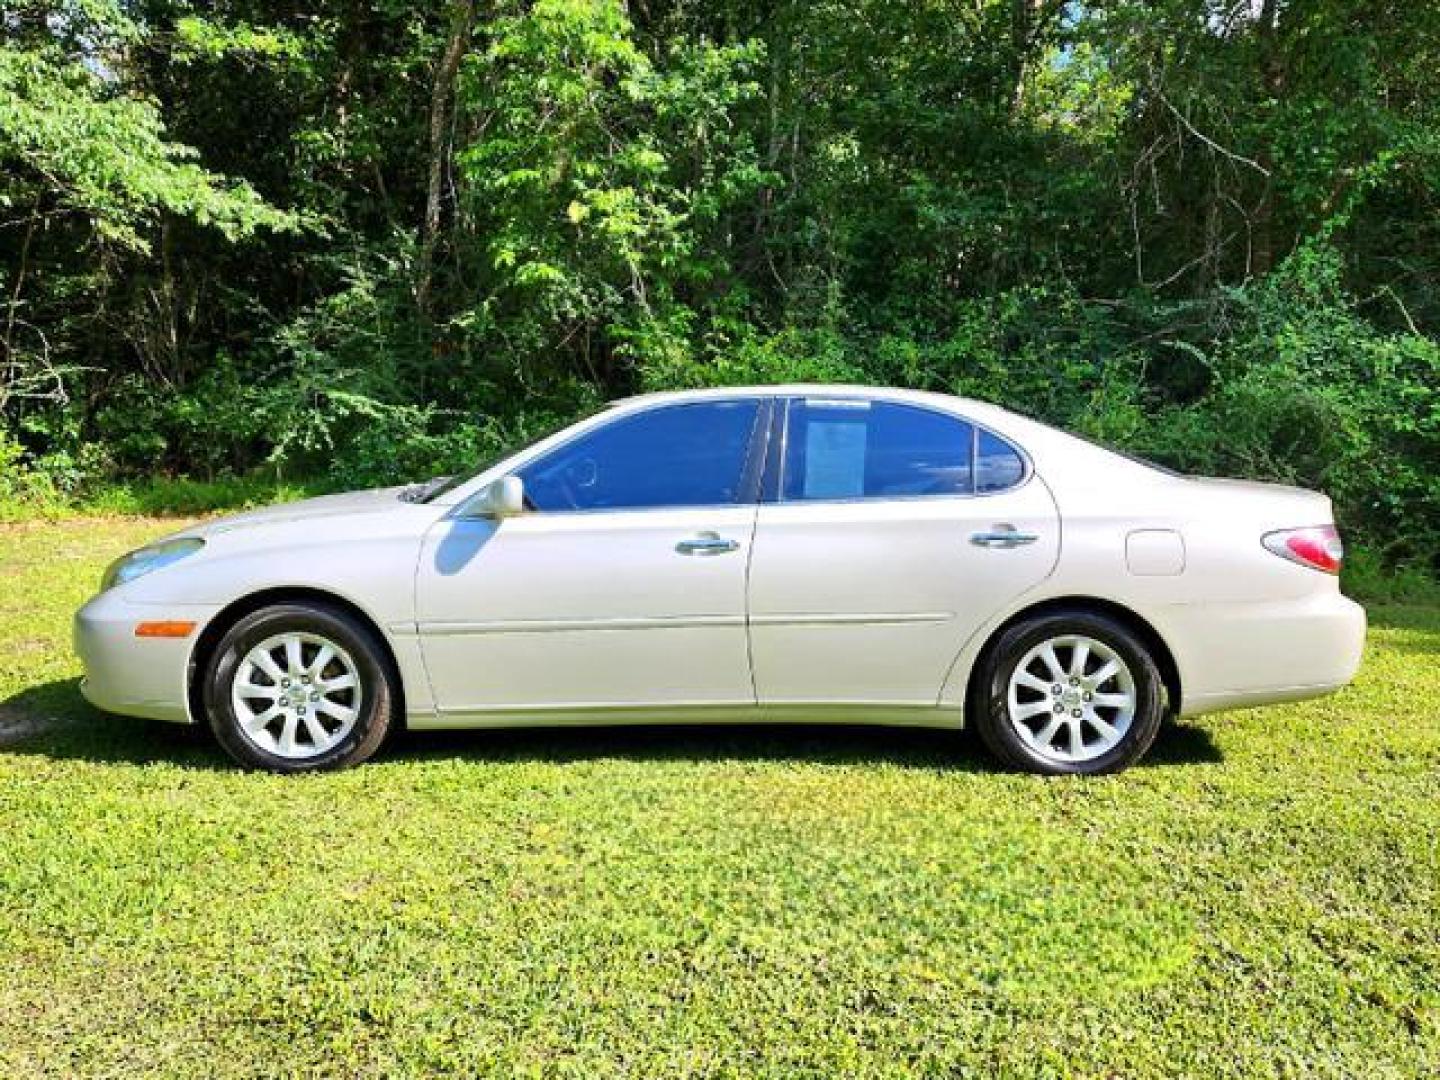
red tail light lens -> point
(1317, 547)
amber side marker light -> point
(164, 629)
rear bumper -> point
(1240, 655)
(136, 676)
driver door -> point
(623, 587)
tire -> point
(337, 707)
(1028, 709)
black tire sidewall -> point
(337, 626)
(992, 712)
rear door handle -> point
(706, 543)
(1003, 536)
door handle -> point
(1003, 536)
(706, 543)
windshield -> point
(431, 490)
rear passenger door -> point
(891, 532)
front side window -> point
(691, 454)
(857, 449)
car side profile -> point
(791, 554)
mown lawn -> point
(1262, 898)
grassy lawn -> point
(1261, 898)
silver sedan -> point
(801, 553)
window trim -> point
(751, 469)
(773, 492)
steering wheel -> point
(562, 486)
(576, 478)
(585, 472)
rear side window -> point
(997, 464)
(674, 455)
(859, 449)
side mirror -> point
(498, 499)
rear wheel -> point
(1068, 692)
(298, 687)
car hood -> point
(347, 502)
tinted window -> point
(997, 465)
(871, 449)
(675, 455)
(429, 492)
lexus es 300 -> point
(789, 554)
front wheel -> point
(1068, 693)
(299, 687)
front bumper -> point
(136, 676)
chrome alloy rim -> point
(1071, 698)
(296, 695)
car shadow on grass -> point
(828, 744)
(52, 720)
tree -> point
(88, 166)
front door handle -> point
(1003, 536)
(706, 543)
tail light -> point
(1317, 547)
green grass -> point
(1260, 898)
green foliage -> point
(19, 483)
(752, 358)
(1207, 233)
(105, 156)
(198, 39)
(1371, 578)
(155, 497)
(600, 174)
(1306, 391)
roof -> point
(830, 390)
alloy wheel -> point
(1071, 698)
(296, 695)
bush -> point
(1306, 391)
(1283, 379)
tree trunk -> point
(1272, 75)
(12, 375)
(442, 107)
(1027, 18)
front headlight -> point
(141, 562)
